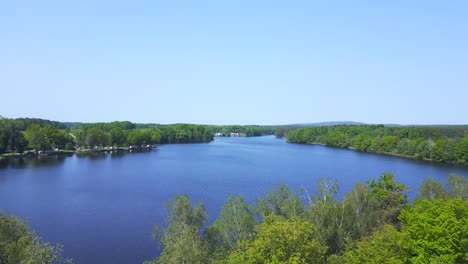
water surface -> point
(102, 208)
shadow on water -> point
(92, 155)
(54, 160)
(36, 162)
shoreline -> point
(128, 149)
(11, 156)
(386, 154)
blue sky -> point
(235, 62)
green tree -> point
(388, 143)
(234, 224)
(55, 137)
(34, 135)
(279, 241)
(361, 142)
(117, 137)
(443, 150)
(458, 187)
(327, 214)
(156, 136)
(19, 245)
(47, 137)
(361, 216)
(181, 240)
(431, 190)
(96, 137)
(11, 137)
(437, 231)
(388, 196)
(384, 246)
(139, 137)
(461, 151)
(281, 202)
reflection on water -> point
(54, 160)
(40, 161)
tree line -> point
(374, 223)
(441, 144)
(115, 134)
(18, 135)
(249, 131)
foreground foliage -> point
(181, 240)
(280, 241)
(19, 245)
(374, 223)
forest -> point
(447, 144)
(18, 135)
(373, 223)
(126, 133)
(21, 134)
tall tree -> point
(11, 137)
(431, 190)
(361, 217)
(181, 240)
(461, 151)
(327, 214)
(281, 241)
(117, 137)
(96, 137)
(281, 202)
(36, 138)
(234, 224)
(458, 187)
(389, 196)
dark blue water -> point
(102, 209)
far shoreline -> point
(390, 154)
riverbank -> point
(383, 153)
(80, 151)
(445, 144)
(33, 155)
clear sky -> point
(235, 62)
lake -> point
(102, 208)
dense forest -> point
(18, 135)
(442, 144)
(374, 223)
(126, 133)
